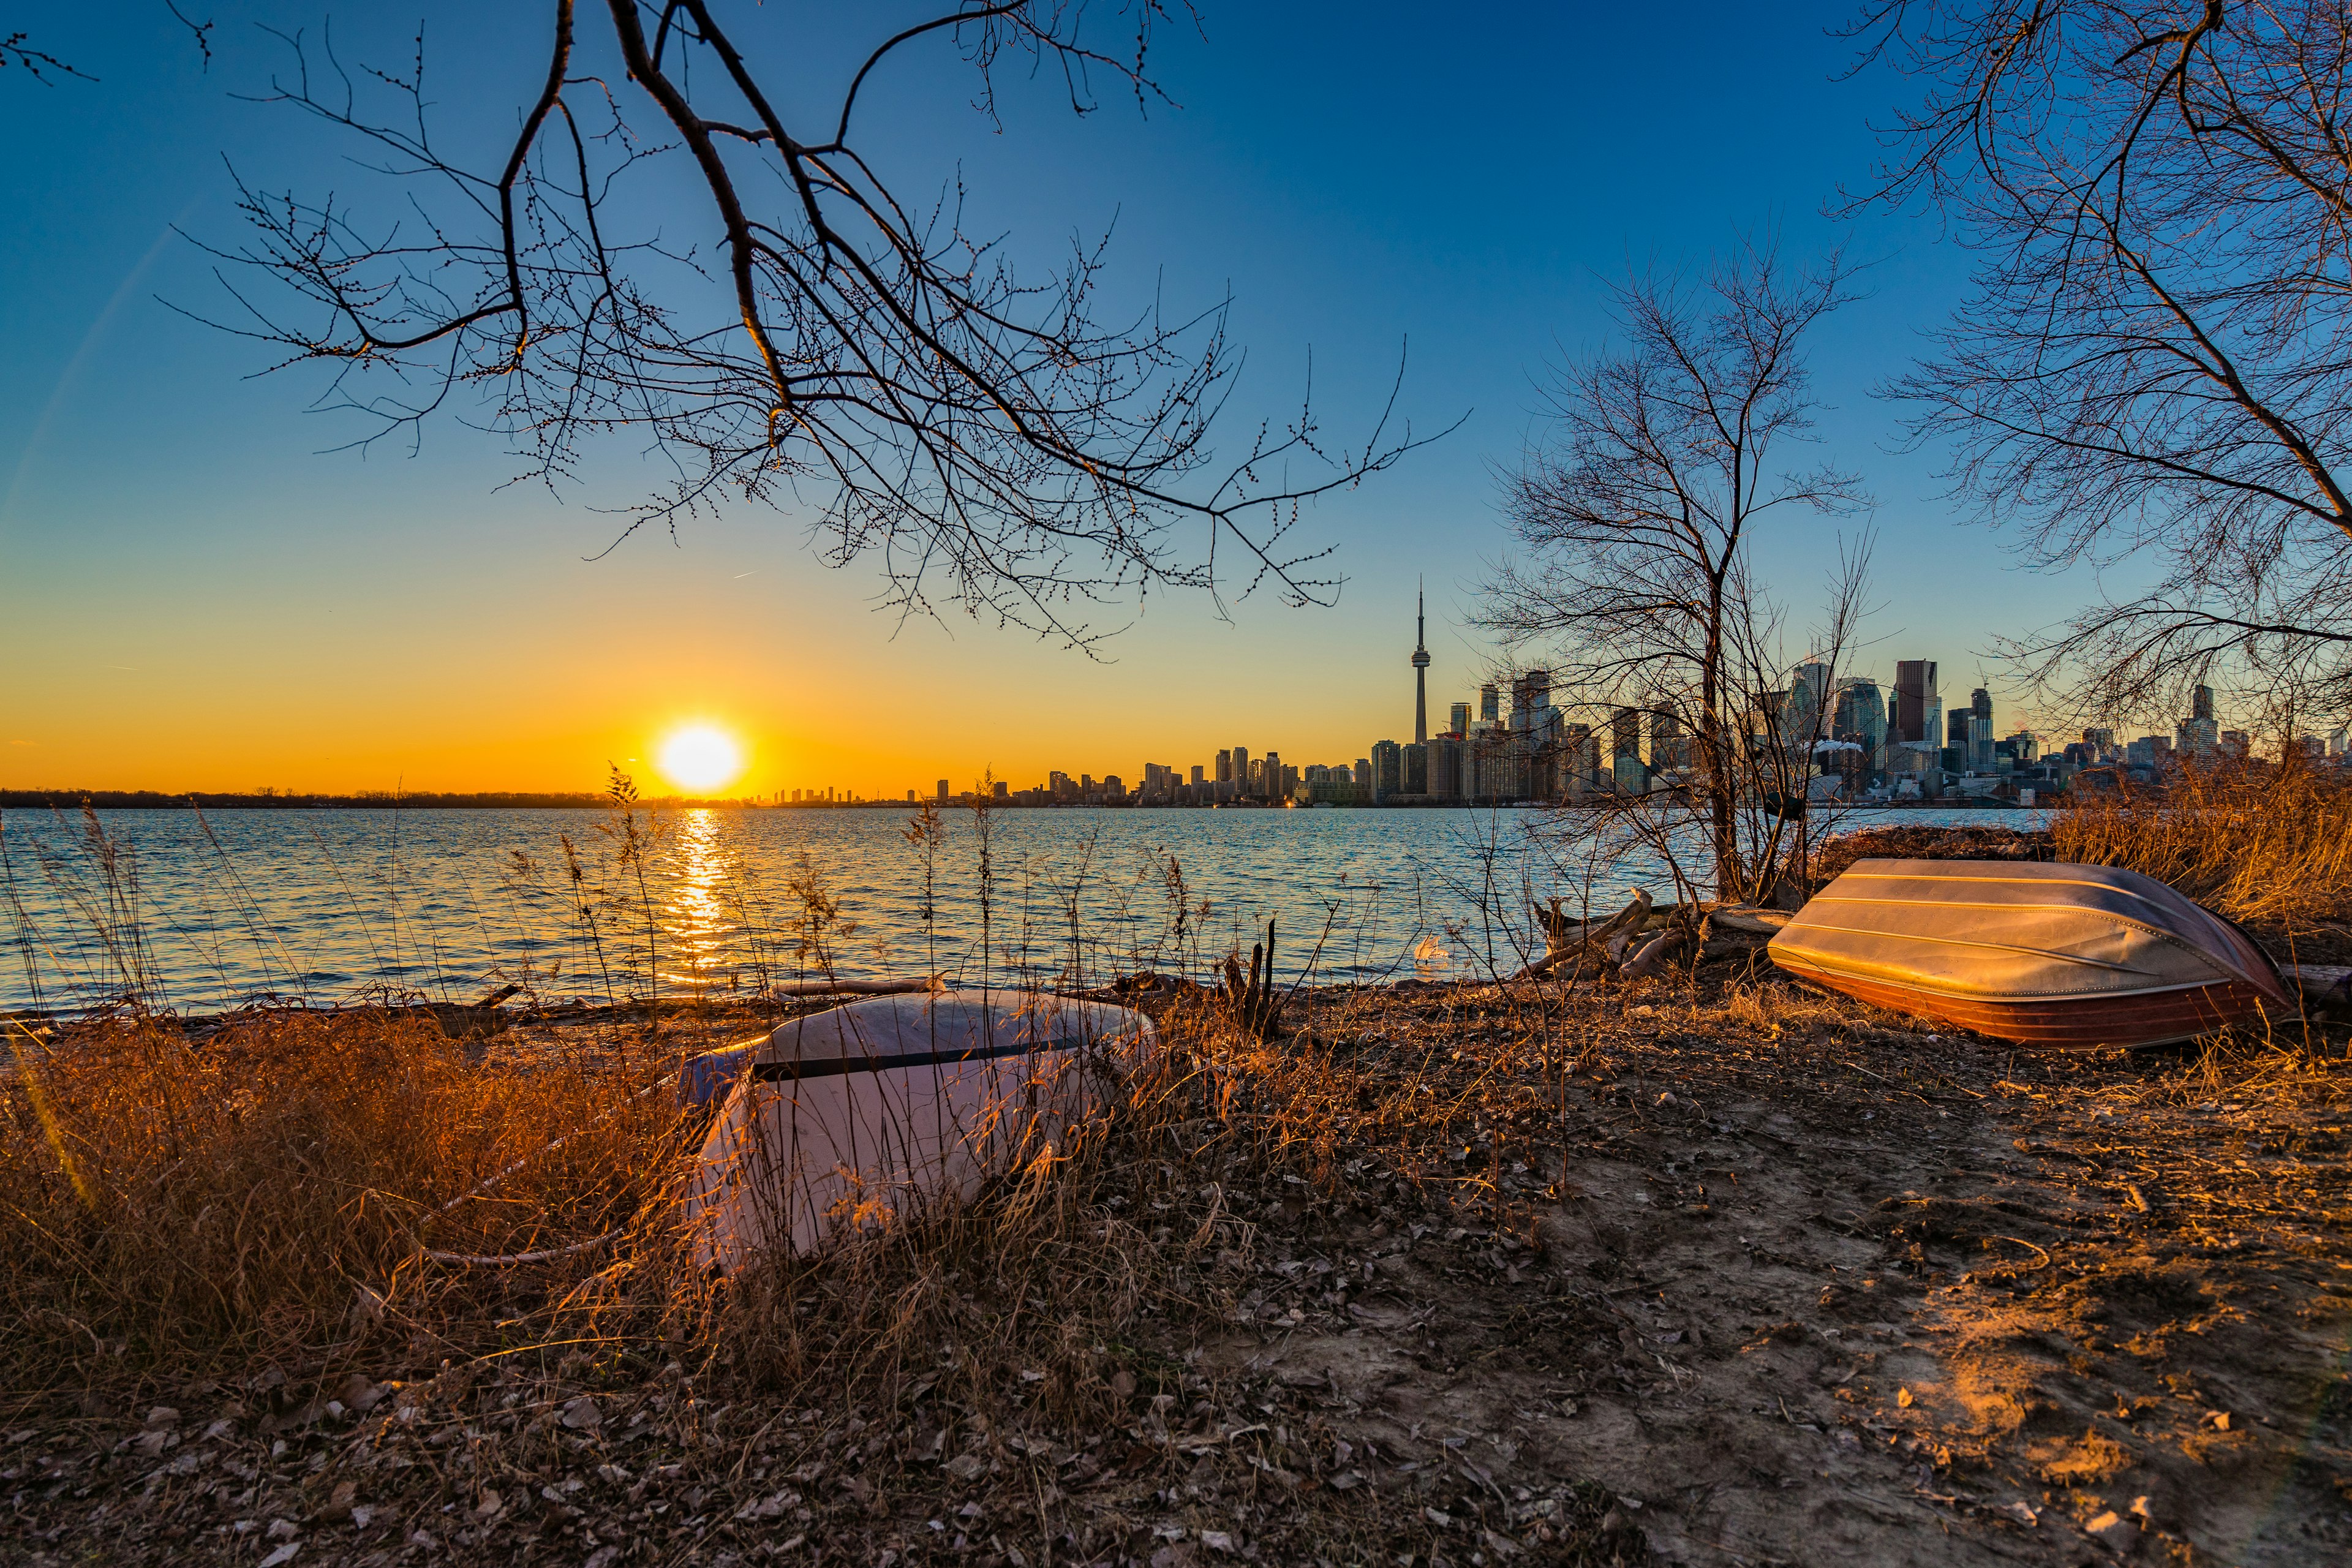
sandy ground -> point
(1764, 1277)
(1861, 1294)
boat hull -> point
(2042, 954)
(2085, 1023)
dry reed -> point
(272, 1192)
(2270, 846)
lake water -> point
(332, 906)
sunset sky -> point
(197, 591)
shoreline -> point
(155, 800)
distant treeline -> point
(372, 800)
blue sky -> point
(199, 591)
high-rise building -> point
(1860, 716)
(1414, 765)
(1197, 780)
(1490, 703)
(1420, 669)
(1670, 749)
(1225, 767)
(1274, 787)
(1241, 772)
(1807, 713)
(1626, 773)
(1625, 732)
(1445, 763)
(1580, 764)
(1387, 771)
(1458, 719)
(2198, 735)
(1914, 697)
(1978, 756)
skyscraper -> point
(1420, 670)
(1625, 753)
(1807, 710)
(1530, 693)
(1915, 695)
(1490, 703)
(1625, 732)
(1861, 717)
(2199, 734)
(1458, 719)
(1445, 764)
(1670, 749)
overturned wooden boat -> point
(2039, 954)
(858, 1118)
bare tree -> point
(1636, 517)
(2153, 373)
(818, 339)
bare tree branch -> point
(984, 437)
(2154, 372)
(14, 51)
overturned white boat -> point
(858, 1116)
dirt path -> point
(1864, 1295)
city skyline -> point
(1859, 739)
(252, 604)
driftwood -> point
(2325, 987)
(1750, 918)
(1606, 941)
(1641, 939)
(1252, 1005)
(1662, 949)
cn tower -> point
(1420, 669)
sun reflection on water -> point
(699, 927)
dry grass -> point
(2269, 847)
(261, 1195)
(1062, 1369)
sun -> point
(701, 757)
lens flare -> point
(701, 758)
